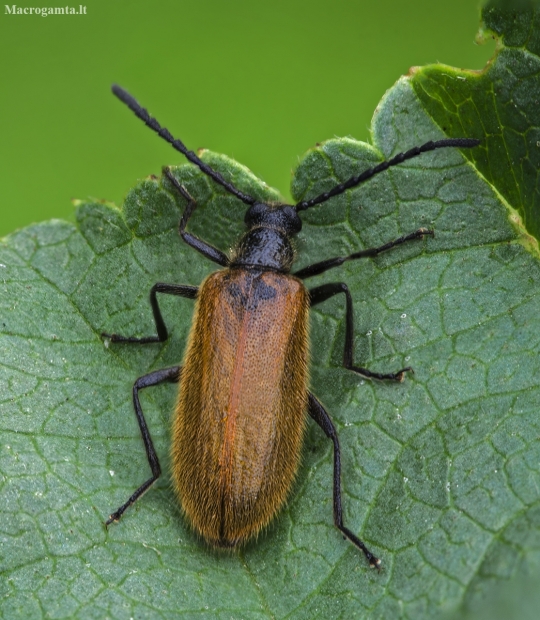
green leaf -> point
(440, 473)
(500, 105)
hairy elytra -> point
(239, 421)
(243, 386)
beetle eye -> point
(294, 223)
(255, 214)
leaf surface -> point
(440, 473)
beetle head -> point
(279, 217)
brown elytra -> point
(241, 409)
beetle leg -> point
(324, 292)
(320, 415)
(183, 290)
(171, 375)
(201, 246)
(330, 263)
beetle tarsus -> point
(373, 560)
(400, 375)
(128, 339)
(114, 518)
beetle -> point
(241, 408)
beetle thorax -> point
(267, 244)
(264, 247)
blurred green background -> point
(260, 81)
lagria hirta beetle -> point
(243, 397)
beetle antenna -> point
(370, 172)
(151, 122)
